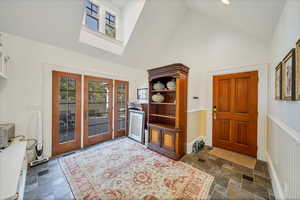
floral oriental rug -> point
(124, 169)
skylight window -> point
(110, 25)
(103, 23)
(100, 18)
(92, 16)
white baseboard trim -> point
(278, 192)
(190, 145)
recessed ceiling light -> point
(226, 2)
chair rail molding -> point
(293, 133)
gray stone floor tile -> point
(219, 188)
(31, 195)
(255, 189)
(49, 197)
(217, 196)
(235, 191)
(265, 182)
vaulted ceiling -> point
(255, 17)
(58, 22)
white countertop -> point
(11, 161)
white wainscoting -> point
(283, 152)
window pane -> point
(91, 23)
(88, 4)
(121, 105)
(88, 11)
(110, 31)
(95, 8)
(98, 108)
(110, 28)
(67, 111)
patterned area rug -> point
(124, 169)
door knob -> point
(214, 112)
(215, 115)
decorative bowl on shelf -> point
(171, 85)
(158, 98)
(158, 86)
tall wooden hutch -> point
(167, 120)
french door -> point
(120, 108)
(100, 96)
(98, 99)
(66, 112)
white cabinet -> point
(13, 168)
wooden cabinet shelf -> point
(165, 116)
(162, 91)
(166, 120)
(162, 125)
(156, 103)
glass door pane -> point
(66, 111)
(121, 98)
(98, 110)
(98, 107)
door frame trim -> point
(262, 104)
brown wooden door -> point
(98, 94)
(66, 112)
(235, 112)
(120, 108)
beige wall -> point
(196, 125)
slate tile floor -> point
(47, 181)
(231, 180)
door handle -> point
(215, 112)
(85, 115)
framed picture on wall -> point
(278, 81)
(289, 76)
(142, 93)
(298, 70)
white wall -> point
(206, 45)
(284, 39)
(130, 15)
(28, 87)
(284, 122)
(209, 47)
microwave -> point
(7, 133)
